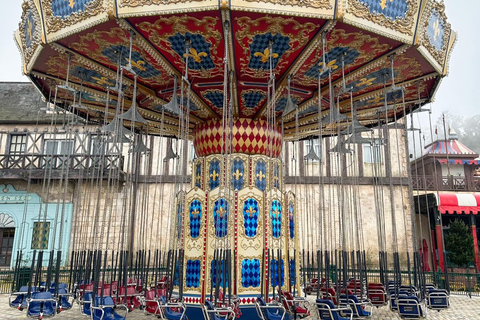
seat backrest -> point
(150, 294)
(46, 307)
(324, 309)
(209, 305)
(23, 289)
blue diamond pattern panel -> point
(220, 217)
(274, 272)
(291, 220)
(253, 98)
(216, 98)
(282, 103)
(192, 274)
(435, 30)
(391, 97)
(333, 59)
(259, 50)
(213, 272)
(261, 175)
(92, 76)
(251, 273)
(238, 171)
(214, 174)
(276, 217)
(198, 175)
(311, 109)
(195, 218)
(187, 103)
(372, 79)
(63, 8)
(393, 9)
(293, 274)
(139, 65)
(276, 176)
(179, 220)
(199, 53)
(29, 31)
(250, 217)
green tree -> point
(459, 244)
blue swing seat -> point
(438, 299)
(169, 314)
(20, 298)
(212, 313)
(327, 311)
(106, 310)
(409, 307)
(358, 308)
(86, 303)
(42, 304)
(269, 311)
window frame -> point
(374, 157)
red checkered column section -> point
(249, 136)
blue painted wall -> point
(25, 209)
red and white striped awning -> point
(451, 203)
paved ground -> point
(462, 308)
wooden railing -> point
(446, 183)
(60, 162)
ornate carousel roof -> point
(285, 36)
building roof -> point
(453, 147)
(22, 103)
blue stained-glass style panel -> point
(293, 274)
(63, 8)
(139, 65)
(199, 55)
(198, 175)
(435, 30)
(220, 217)
(250, 216)
(238, 171)
(192, 274)
(214, 273)
(214, 174)
(260, 53)
(30, 27)
(291, 220)
(179, 220)
(392, 9)
(261, 175)
(251, 273)
(195, 218)
(276, 217)
(274, 272)
(276, 176)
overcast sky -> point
(457, 93)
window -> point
(372, 153)
(41, 232)
(316, 149)
(18, 144)
(6, 245)
(55, 148)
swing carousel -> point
(247, 82)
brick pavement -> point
(462, 308)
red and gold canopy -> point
(366, 33)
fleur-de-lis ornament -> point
(265, 55)
(196, 56)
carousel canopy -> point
(275, 52)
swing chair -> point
(41, 305)
(270, 311)
(296, 306)
(409, 307)
(359, 308)
(328, 311)
(105, 309)
(437, 299)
